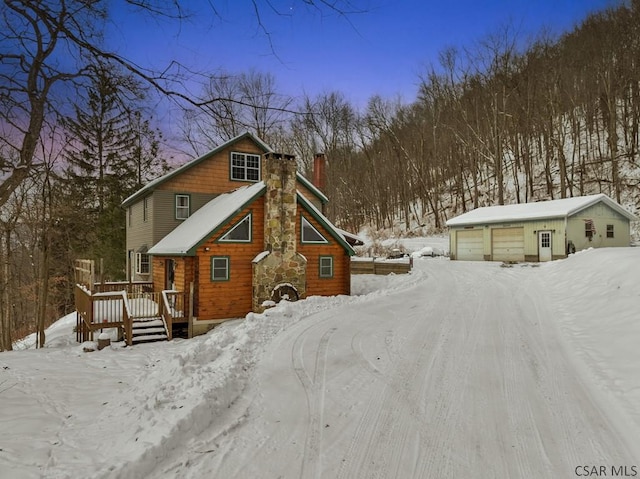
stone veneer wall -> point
(283, 265)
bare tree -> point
(35, 35)
(245, 102)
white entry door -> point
(544, 246)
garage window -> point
(609, 231)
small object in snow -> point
(395, 254)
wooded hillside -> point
(500, 124)
(500, 121)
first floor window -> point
(182, 207)
(220, 268)
(142, 263)
(589, 229)
(609, 231)
(326, 266)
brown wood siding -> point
(158, 272)
(212, 174)
(232, 298)
(317, 286)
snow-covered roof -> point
(152, 185)
(184, 240)
(561, 208)
(203, 222)
(351, 238)
(335, 232)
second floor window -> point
(245, 167)
(310, 234)
(182, 207)
(241, 232)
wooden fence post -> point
(190, 323)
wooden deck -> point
(126, 306)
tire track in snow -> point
(314, 387)
(388, 422)
(448, 377)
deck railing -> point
(119, 308)
(128, 286)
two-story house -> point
(242, 227)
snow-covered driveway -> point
(464, 373)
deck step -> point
(148, 322)
(147, 338)
(146, 330)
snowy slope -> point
(457, 370)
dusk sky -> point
(380, 51)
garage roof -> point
(533, 211)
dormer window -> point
(245, 167)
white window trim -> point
(246, 218)
(182, 208)
(245, 168)
(140, 263)
(304, 222)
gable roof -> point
(203, 223)
(152, 185)
(320, 218)
(188, 235)
(562, 208)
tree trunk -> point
(5, 312)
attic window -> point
(245, 167)
(241, 232)
(310, 234)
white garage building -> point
(539, 231)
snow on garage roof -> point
(533, 211)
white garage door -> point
(470, 245)
(507, 244)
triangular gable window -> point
(310, 234)
(241, 232)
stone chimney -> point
(319, 174)
(282, 272)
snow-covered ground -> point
(459, 369)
